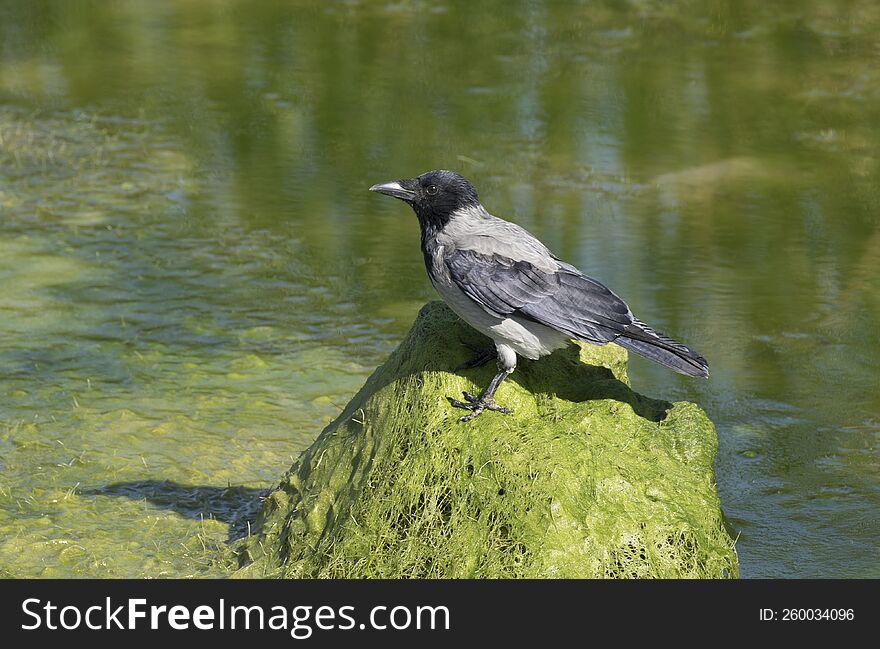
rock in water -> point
(586, 479)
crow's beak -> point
(397, 189)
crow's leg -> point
(506, 365)
(482, 357)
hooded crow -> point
(506, 284)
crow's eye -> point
(431, 190)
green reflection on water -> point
(193, 278)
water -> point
(194, 279)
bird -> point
(506, 284)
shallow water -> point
(194, 279)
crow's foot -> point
(477, 405)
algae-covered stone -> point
(586, 479)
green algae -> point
(586, 479)
(125, 448)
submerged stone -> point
(586, 478)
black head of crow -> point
(434, 196)
(505, 283)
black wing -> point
(564, 300)
(568, 301)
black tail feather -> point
(657, 347)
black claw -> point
(476, 405)
(471, 416)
